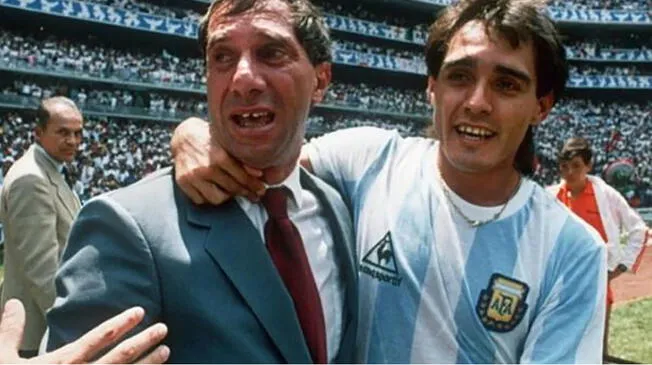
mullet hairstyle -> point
(516, 21)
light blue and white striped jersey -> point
(528, 287)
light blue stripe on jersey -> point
(571, 243)
(496, 244)
(396, 309)
(352, 195)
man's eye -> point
(457, 77)
(221, 57)
(507, 85)
(273, 54)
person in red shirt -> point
(601, 206)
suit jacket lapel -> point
(344, 253)
(235, 246)
(65, 194)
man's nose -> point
(247, 80)
(479, 99)
(72, 139)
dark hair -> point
(516, 21)
(307, 21)
(576, 147)
(43, 109)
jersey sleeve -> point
(344, 157)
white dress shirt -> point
(307, 214)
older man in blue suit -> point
(268, 282)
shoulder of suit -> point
(147, 193)
(319, 183)
(26, 166)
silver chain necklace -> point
(474, 222)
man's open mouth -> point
(253, 120)
(474, 132)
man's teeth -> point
(475, 131)
(253, 120)
(253, 115)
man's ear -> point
(545, 105)
(430, 91)
(323, 74)
(38, 131)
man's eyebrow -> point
(214, 39)
(222, 37)
(464, 61)
(514, 73)
(502, 69)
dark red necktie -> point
(286, 249)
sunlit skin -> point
(62, 134)
(255, 64)
(484, 83)
(574, 173)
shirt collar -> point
(292, 183)
(587, 190)
(57, 165)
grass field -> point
(631, 331)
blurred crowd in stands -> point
(643, 5)
(612, 51)
(113, 153)
(168, 10)
(56, 55)
(639, 5)
(589, 70)
(619, 132)
(117, 152)
(114, 99)
(359, 11)
(372, 97)
(360, 96)
(319, 124)
(59, 55)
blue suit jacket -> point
(202, 270)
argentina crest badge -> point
(501, 306)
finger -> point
(227, 183)
(159, 356)
(102, 336)
(190, 191)
(224, 162)
(211, 192)
(11, 330)
(133, 348)
(253, 171)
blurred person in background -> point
(601, 206)
(37, 207)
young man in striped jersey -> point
(462, 258)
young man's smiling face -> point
(261, 84)
(485, 100)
